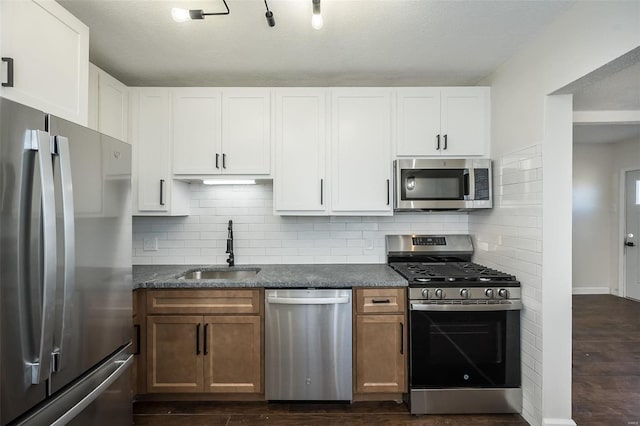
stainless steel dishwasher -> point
(308, 345)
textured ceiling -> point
(362, 43)
(617, 91)
(605, 133)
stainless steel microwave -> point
(442, 184)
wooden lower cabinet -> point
(219, 355)
(380, 354)
(233, 355)
(174, 355)
(380, 342)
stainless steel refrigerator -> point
(65, 272)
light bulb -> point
(180, 15)
(316, 21)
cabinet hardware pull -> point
(9, 62)
(217, 158)
(198, 339)
(380, 301)
(388, 192)
(137, 327)
(438, 144)
(401, 339)
(161, 191)
(224, 161)
(321, 192)
(204, 335)
(445, 142)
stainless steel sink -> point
(219, 274)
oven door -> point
(465, 349)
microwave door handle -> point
(465, 183)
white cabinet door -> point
(418, 122)
(464, 123)
(361, 142)
(246, 131)
(113, 106)
(300, 184)
(50, 50)
(152, 130)
(197, 131)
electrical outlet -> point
(368, 244)
(150, 244)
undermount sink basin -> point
(219, 274)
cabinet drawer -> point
(203, 301)
(380, 300)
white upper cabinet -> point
(361, 143)
(197, 131)
(246, 131)
(447, 121)
(300, 182)
(154, 190)
(49, 48)
(221, 131)
(108, 104)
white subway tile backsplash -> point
(262, 237)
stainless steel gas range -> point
(464, 327)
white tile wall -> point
(261, 237)
(509, 238)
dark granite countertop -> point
(271, 276)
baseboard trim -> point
(558, 422)
(591, 290)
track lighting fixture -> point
(182, 15)
(316, 18)
(269, 15)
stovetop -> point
(445, 274)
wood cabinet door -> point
(300, 182)
(465, 120)
(361, 141)
(381, 349)
(50, 50)
(113, 106)
(197, 130)
(151, 116)
(233, 354)
(174, 354)
(246, 131)
(418, 122)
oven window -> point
(457, 343)
(465, 349)
(433, 184)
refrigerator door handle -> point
(61, 149)
(40, 368)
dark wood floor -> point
(606, 385)
(606, 361)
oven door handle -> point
(511, 306)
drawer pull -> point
(380, 301)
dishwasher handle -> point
(307, 300)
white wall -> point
(597, 239)
(260, 237)
(593, 212)
(586, 37)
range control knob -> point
(464, 293)
(439, 293)
(425, 293)
(489, 293)
(504, 293)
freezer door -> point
(93, 303)
(24, 152)
(101, 397)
